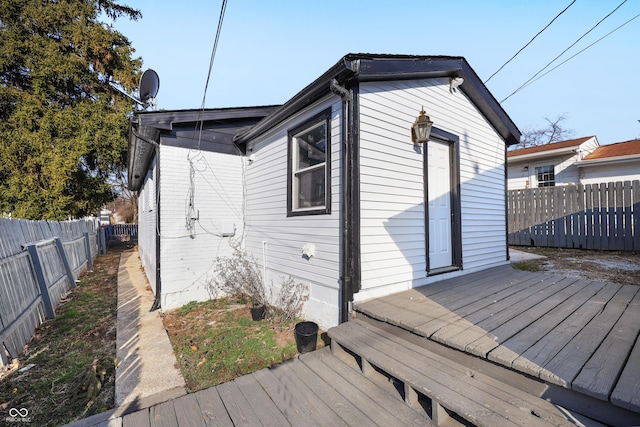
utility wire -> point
(213, 51)
(578, 53)
(530, 41)
(563, 52)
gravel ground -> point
(608, 266)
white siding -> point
(277, 241)
(392, 184)
(187, 256)
(518, 176)
(612, 172)
(147, 211)
(522, 174)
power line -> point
(530, 41)
(213, 51)
(578, 53)
(563, 52)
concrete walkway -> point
(146, 363)
(516, 255)
(146, 373)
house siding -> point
(274, 240)
(613, 172)
(522, 173)
(147, 217)
(188, 256)
(392, 184)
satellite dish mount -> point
(148, 88)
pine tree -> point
(62, 126)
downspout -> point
(506, 207)
(350, 237)
(157, 301)
(156, 146)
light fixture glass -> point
(421, 129)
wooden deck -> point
(317, 389)
(578, 334)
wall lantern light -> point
(421, 129)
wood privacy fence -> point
(39, 262)
(122, 231)
(592, 216)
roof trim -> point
(545, 149)
(165, 119)
(374, 67)
(608, 160)
(145, 128)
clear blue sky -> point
(270, 50)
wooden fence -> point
(39, 262)
(592, 216)
(122, 232)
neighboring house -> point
(611, 163)
(548, 165)
(330, 189)
(105, 217)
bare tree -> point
(126, 200)
(553, 132)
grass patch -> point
(216, 341)
(73, 354)
(530, 265)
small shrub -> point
(290, 300)
(238, 277)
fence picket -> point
(27, 248)
(592, 216)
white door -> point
(439, 193)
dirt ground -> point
(609, 266)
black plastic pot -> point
(257, 311)
(306, 336)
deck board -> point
(237, 405)
(566, 365)
(512, 348)
(476, 304)
(137, 419)
(260, 402)
(627, 392)
(163, 415)
(324, 414)
(212, 409)
(498, 389)
(323, 390)
(363, 393)
(287, 399)
(188, 411)
(452, 333)
(448, 383)
(575, 333)
(534, 360)
(489, 333)
(599, 374)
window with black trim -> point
(546, 176)
(309, 167)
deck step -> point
(475, 397)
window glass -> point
(308, 163)
(311, 147)
(546, 176)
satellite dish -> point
(149, 85)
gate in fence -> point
(591, 216)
